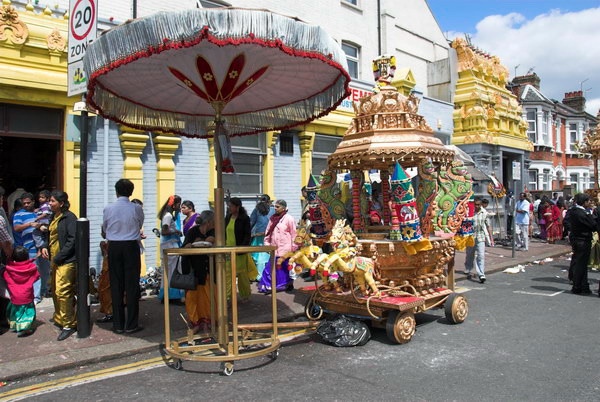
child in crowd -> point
(19, 274)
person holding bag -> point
(197, 300)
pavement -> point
(41, 353)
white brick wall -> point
(150, 203)
(288, 179)
(192, 172)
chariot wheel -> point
(400, 326)
(177, 364)
(227, 368)
(456, 308)
(313, 311)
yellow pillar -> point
(307, 142)
(133, 143)
(165, 146)
(269, 165)
(71, 174)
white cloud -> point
(561, 46)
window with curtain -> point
(545, 136)
(546, 180)
(532, 184)
(573, 177)
(248, 157)
(557, 134)
(573, 136)
(352, 57)
(324, 146)
(532, 125)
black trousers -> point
(124, 266)
(579, 263)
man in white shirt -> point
(522, 221)
(121, 226)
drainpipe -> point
(379, 27)
(105, 165)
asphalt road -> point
(526, 338)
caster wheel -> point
(177, 364)
(313, 311)
(274, 354)
(400, 326)
(227, 368)
(456, 308)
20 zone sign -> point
(82, 27)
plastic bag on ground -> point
(343, 331)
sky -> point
(559, 40)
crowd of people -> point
(38, 260)
(37, 241)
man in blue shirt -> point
(522, 221)
(24, 223)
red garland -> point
(219, 42)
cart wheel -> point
(456, 308)
(400, 326)
(274, 354)
(177, 364)
(227, 368)
(313, 311)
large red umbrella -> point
(246, 70)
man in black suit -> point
(582, 225)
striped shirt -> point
(25, 237)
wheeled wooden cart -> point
(228, 340)
(394, 313)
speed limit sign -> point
(82, 27)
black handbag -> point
(183, 281)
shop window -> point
(324, 146)
(248, 158)
(32, 121)
(532, 125)
(286, 143)
(532, 184)
(352, 57)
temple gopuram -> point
(488, 122)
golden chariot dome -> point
(387, 128)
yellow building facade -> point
(488, 121)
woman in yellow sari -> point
(60, 249)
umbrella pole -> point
(222, 325)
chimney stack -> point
(517, 84)
(575, 100)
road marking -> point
(99, 375)
(522, 292)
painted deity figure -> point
(406, 225)
(427, 190)
(455, 189)
(329, 198)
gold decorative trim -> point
(56, 41)
(9, 21)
